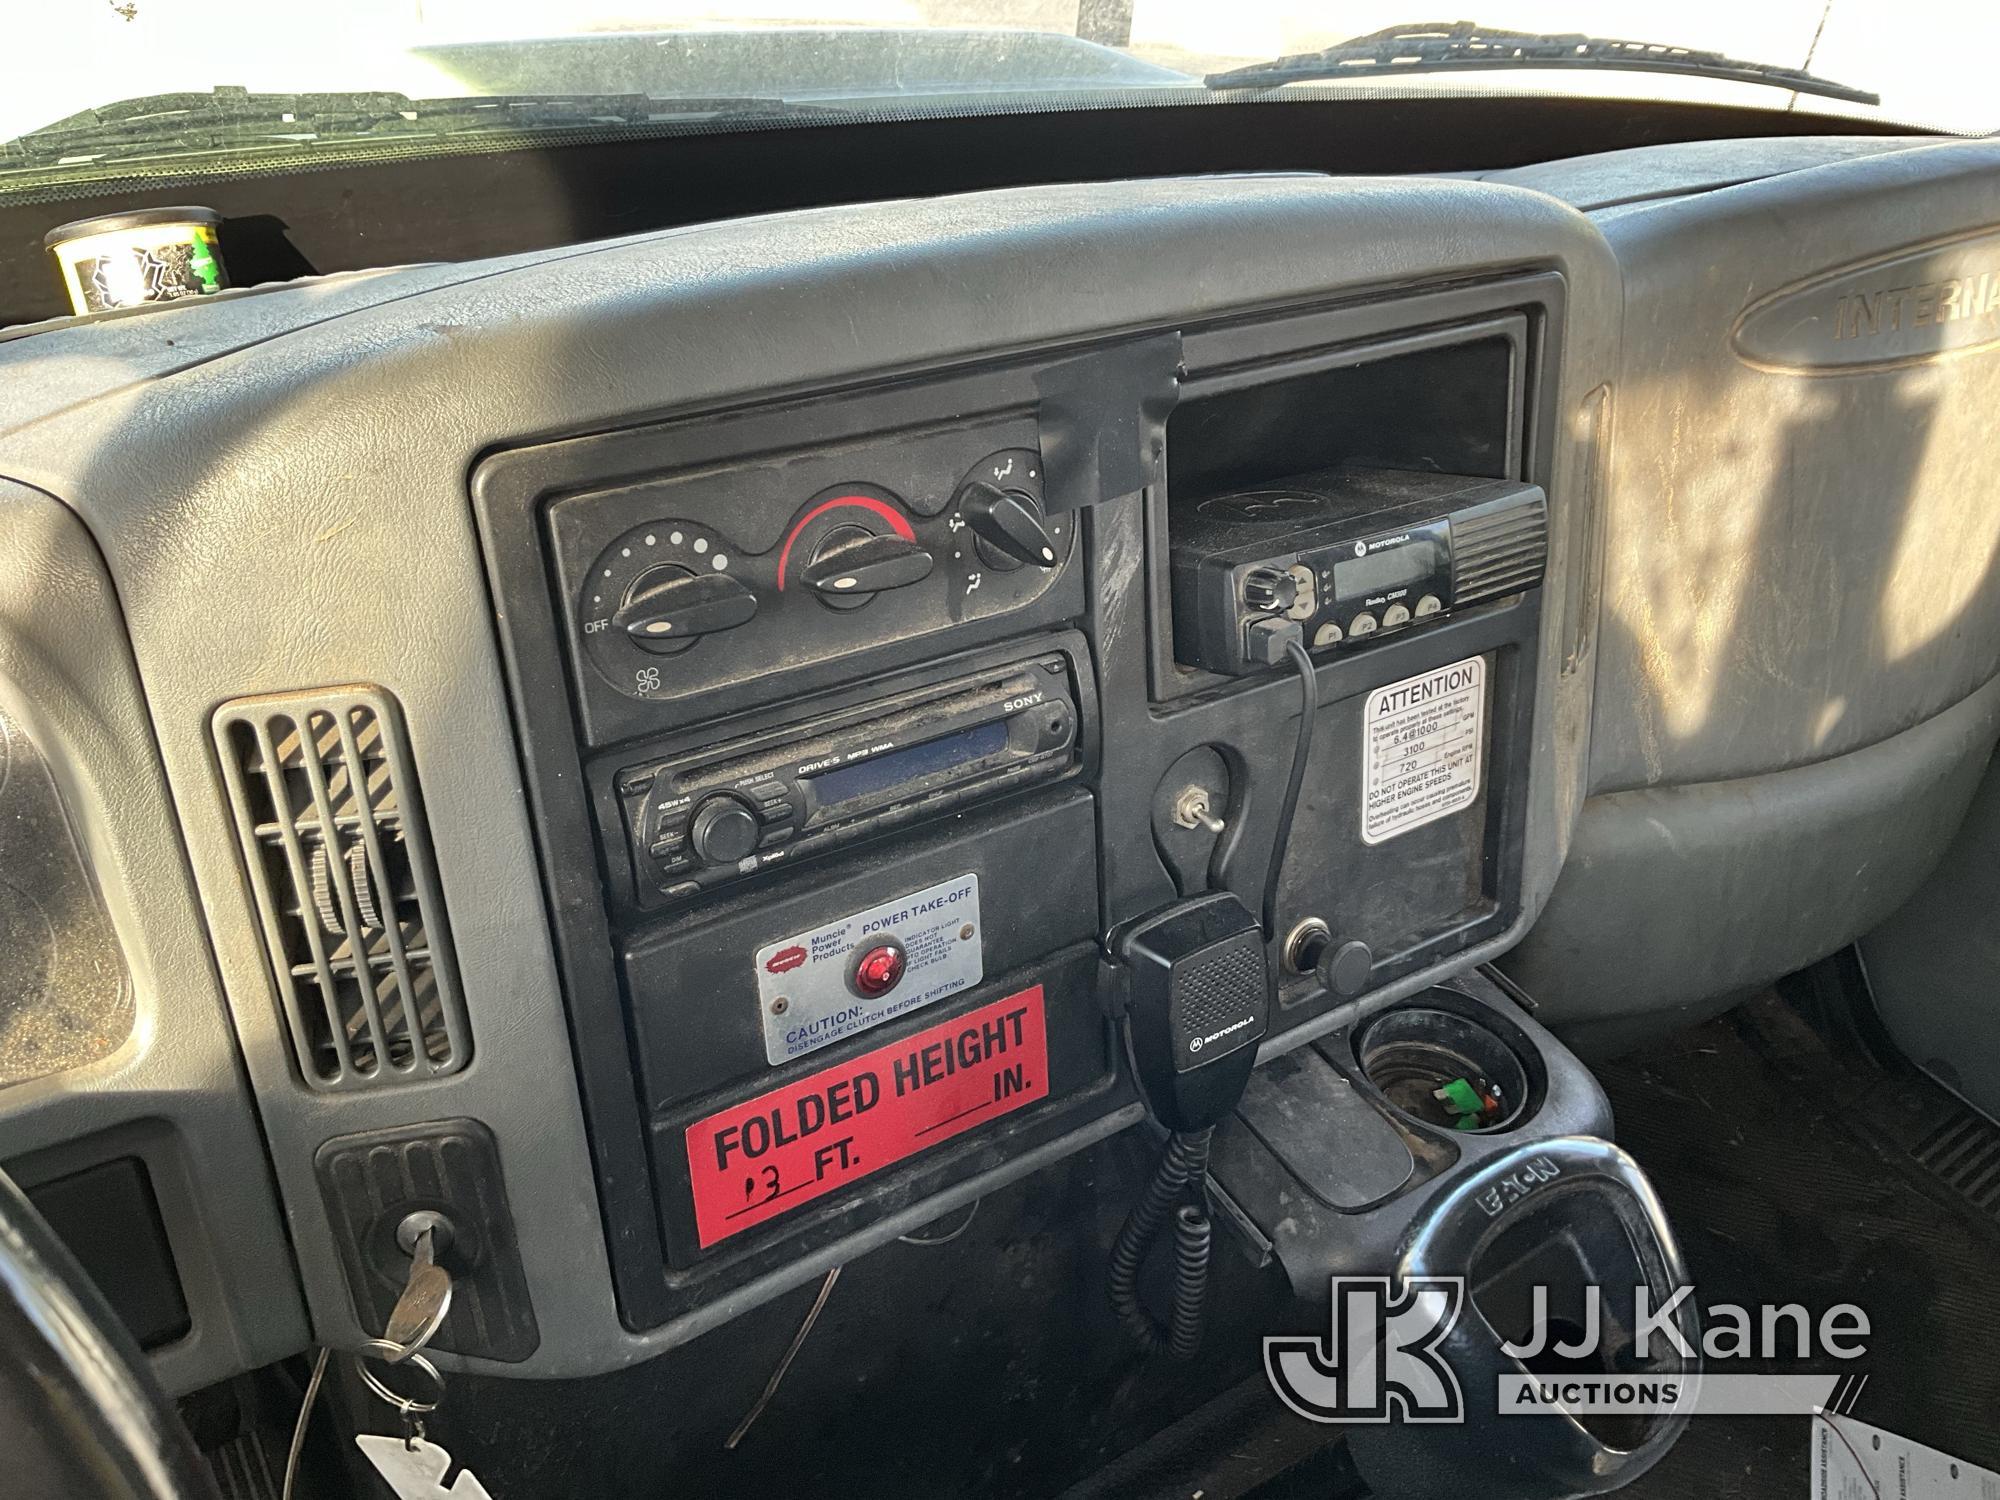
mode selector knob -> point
(1007, 526)
(724, 829)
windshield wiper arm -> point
(1437, 46)
(236, 117)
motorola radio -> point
(1349, 555)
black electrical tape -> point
(1104, 421)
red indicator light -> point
(877, 971)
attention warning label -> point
(1423, 746)
(771, 1154)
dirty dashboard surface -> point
(658, 622)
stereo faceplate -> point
(708, 816)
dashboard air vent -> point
(326, 805)
(1499, 554)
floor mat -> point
(1796, 1173)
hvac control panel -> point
(729, 574)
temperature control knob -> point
(724, 829)
(850, 566)
(1007, 525)
(669, 605)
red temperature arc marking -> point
(881, 508)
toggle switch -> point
(1192, 810)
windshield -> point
(261, 80)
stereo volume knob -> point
(724, 829)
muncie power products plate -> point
(776, 1152)
(807, 995)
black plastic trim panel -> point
(511, 490)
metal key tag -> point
(415, 1469)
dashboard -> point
(751, 668)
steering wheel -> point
(81, 1416)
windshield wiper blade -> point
(235, 117)
(1438, 46)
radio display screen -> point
(1391, 568)
(912, 763)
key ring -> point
(404, 1357)
(424, 1334)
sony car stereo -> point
(709, 816)
(1347, 554)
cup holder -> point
(1444, 1070)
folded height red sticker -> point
(766, 1156)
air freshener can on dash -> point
(149, 255)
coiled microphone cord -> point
(1184, 1162)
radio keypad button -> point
(1395, 616)
(1362, 624)
(1429, 605)
(1328, 635)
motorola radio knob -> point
(1269, 589)
(724, 829)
